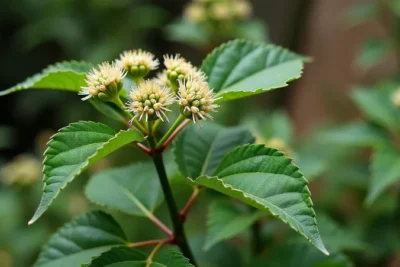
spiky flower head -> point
(396, 97)
(178, 69)
(103, 82)
(196, 99)
(150, 101)
(138, 63)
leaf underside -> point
(72, 150)
(267, 180)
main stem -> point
(179, 232)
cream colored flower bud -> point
(222, 10)
(138, 63)
(178, 69)
(242, 9)
(396, 98)
(196, 99)
(195, 12)
(23, 170)
(150, 101)
(104, 82)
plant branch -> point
(149, 259)
(184, 212)
(171, 130)
(144, 148)
(256, 238)
(174, 134)
(148, 243)
(160, 225)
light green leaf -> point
(357, 133)
(225, 222)
(240, 68)
(372, 52)
(337, 238)
(134, 189)
(199, 151)
(267, 180)
(80, 240)
(129, 257)
(377, 105)
(72, 150)
(385, 171)
(300, 254)
(67, 76)
(361, 12)
(108, 109)
(185, 31)
(254, 30)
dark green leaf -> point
(225, 222)
(68, 76)
(80, 240)
(240, 68)
(377, 105)
(134, 189)
(355, 134)
(267, 180)
(72, 150)
(199, 151)
(129, 257)
(385, 171)
(300, 254)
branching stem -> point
(184, 212)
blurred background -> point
(350, 42)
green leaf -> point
(385, 171)
(337, 238)
(129, 257)
(361, 12)
(377, 105)
(267, 180)
(372, 52)
(109, 109)
(185, 31)
(80, 240)
(300, 254)
(199, 151)
(72, 150)
(240, 68)
(134, 189)
(67, 76)
(357, 133)
(225, 222)
(254, 30)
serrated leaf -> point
(67, 76)
(134, 189)
(241, 68)
(225, 222)
(300, 254)
(267, 180)
(72, 150)
(377, 105)
(129, 257)
(357, 133)
(199, 151)
(80, 240)
(385, 171)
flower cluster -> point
(180, 82)
(150, 100)
(138, 63)
(196, 99)
(200, 11)
(177, 68)
(104, 82)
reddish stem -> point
(149, 243)
(174, 134)
(184, 212)
(144, 148)
(161, 225)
